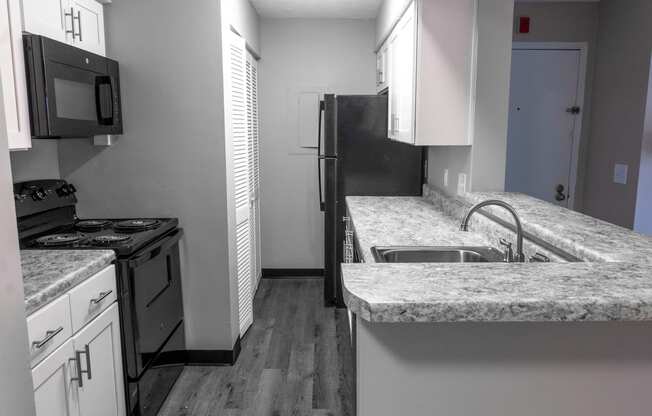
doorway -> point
(545, 120)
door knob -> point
(561, 196)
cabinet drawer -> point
(48, 328)
(91, 297)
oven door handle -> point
(161, 247)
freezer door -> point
(370, 163)
(330, 126)
(330, 231)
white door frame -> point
(583, 48)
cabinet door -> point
(12, 74)
(403, 72)
(391, 92)
(89, 26)
(51, 18)
(54, 391)
(101, 391)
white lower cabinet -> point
(98, 356)
(83, 376)
(54, 392)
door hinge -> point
(574, 110)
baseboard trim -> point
(213, 357)
(291, 273)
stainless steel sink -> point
(437, 254)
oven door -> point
(73, 93)
(155, 299)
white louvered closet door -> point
(254, 166)
(238, 141)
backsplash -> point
(480, 223)
(40, 162)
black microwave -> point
(72, 93)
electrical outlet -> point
(445, 177)
(620, 173)
(461, 184)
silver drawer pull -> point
(49, 336)
(101, 297)
(80, 378)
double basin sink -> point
(437, 255)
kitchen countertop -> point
(586, 237)
(611, 284)
(47, 274)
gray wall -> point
(330, 55)
(567, 22)
(484, 162)
(15, 380)
(619, 96)
(171, 160)
(40, 162)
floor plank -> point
(295, 360)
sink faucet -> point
(520, 257)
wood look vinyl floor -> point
(295, 360)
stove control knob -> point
(62, 191)
(71, 188)
(39, 194)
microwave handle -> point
(99, 83)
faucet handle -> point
(509, 252)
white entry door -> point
(544, 120)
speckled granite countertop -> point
(404, 221)
(586, 237)
(612, 284)
(47, 274)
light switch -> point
(445, 177)
(620, 173)
(461, 184)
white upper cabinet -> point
(402, 91)
(12, 73)
(50, 18)
(432, 72)
(382, 68)
(76, 22)
(89, 26)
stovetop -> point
(125, 236)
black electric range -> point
(149, 281)
(124, 236)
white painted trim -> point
(583, 48)
(473, 93)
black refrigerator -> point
(355, 157)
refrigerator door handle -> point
(322, 205)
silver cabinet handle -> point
(101, 297)
(72, 22)
(79, 26)
(49, 336)
(80, 373)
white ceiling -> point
(324, 9)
